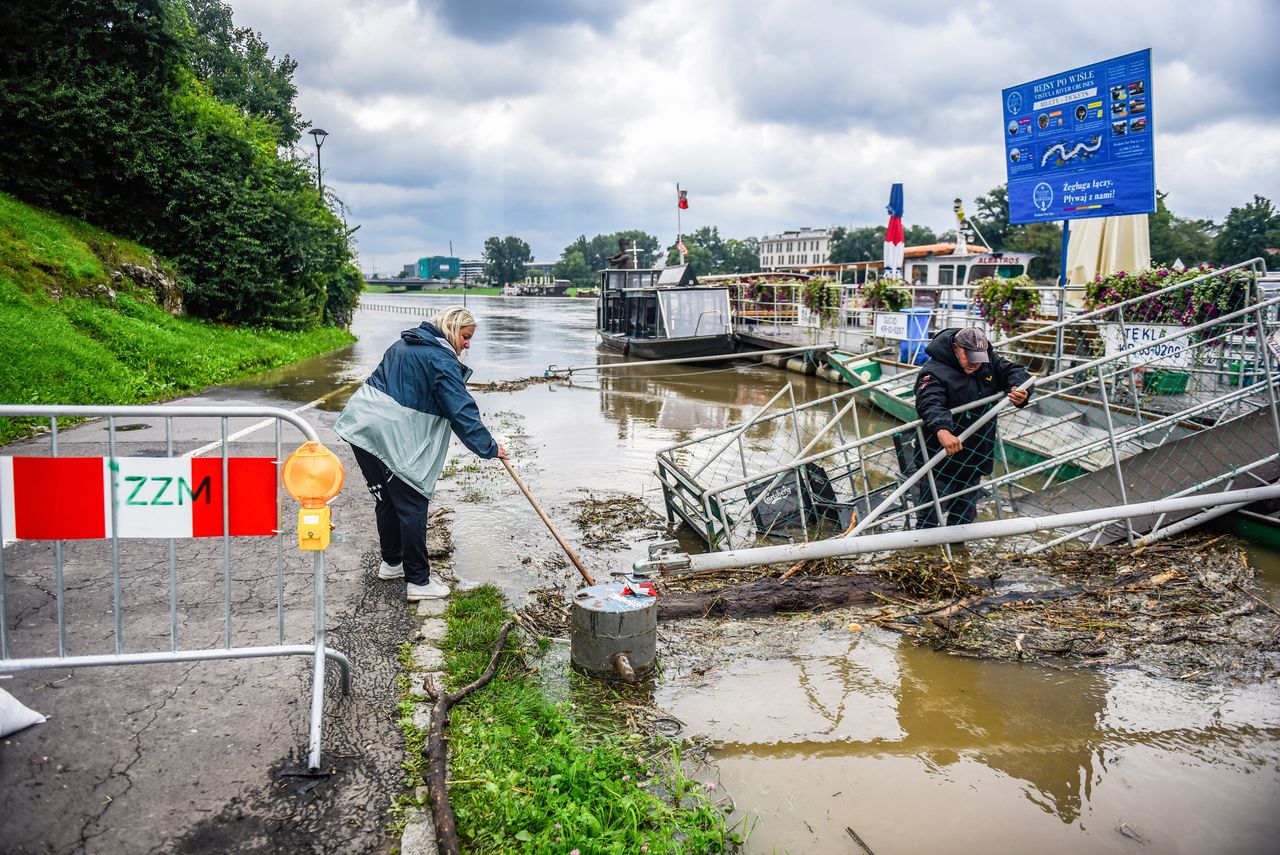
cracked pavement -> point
(202, 756)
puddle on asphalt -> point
(816, 728)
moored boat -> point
(662, 313)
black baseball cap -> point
(974, 343)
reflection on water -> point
(918, 752)
(921, 752)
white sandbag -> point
(15, 715)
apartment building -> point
(795, 249)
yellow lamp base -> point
(313, 528)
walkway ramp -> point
(1182, 467)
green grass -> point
(65, 340)
(526, 776)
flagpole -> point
(679, 231)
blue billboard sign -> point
(1079, 144)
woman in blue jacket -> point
(398, 424)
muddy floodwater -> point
(815, 727)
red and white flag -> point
(69, 498)
(682, 198)
(894, 240)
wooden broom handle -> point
(568, 550)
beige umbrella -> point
(1101, 246)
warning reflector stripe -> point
(58, 498)
(253, 496)
(69, 498)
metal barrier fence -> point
(160, 493)
(1190, 412)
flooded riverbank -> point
(816, 727)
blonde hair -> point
(451, 321)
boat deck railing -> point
(1192, 411)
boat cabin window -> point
(946, 275)
(697, 311)
(920, 274)
(1006, 271)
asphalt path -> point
(202, 756)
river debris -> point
(546, 614)
(1184, 609)
(509, 385)
(604, 520)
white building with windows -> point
(795, 249)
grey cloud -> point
(489, 21)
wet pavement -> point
(815, 728)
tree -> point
(915, 235)
(237, 66)
(1173, 237)
(505, 258)
(741, 256)
(865, 243)
(992, 219)
(1249, 232)
(107, 114)
(1044, 239)
(597, 251)
(710, 255)
(574, 267)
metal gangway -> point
(1136, 413)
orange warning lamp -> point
(313, 475)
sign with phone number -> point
(1149, 344)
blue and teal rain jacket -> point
(404, 411)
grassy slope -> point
(63, 340)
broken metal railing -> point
(666, 562)
(1098, 413)
(120, 498)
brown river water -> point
(817, 728)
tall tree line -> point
(162, 121)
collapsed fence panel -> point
(185, 553)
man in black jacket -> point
(962, 368)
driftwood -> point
(437, 750)
(766, 596)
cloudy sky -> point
(457, 120)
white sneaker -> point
(431, 591)
(391, 571)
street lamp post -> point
(319, 134)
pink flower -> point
(574, 852)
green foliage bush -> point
(885, 295)
(107, 114)
(822, 297)
(1188, 306)
(1006, 303)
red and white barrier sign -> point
(69, 498)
